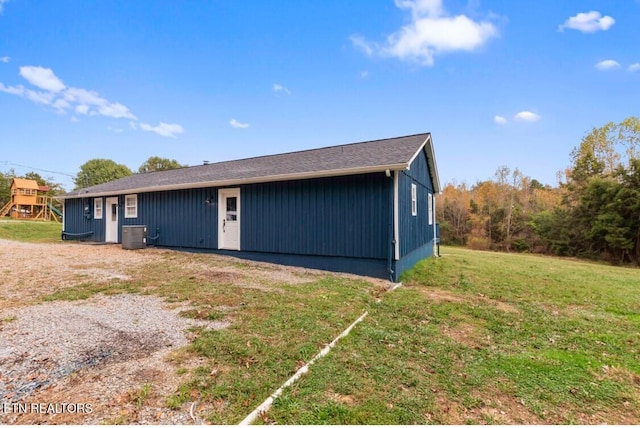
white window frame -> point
(414, 200)
(430, 207)
(97, 208)
(131, 206)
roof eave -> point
(427, 145)
(236, 182)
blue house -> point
(366, 208)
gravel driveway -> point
(91, 354)
(106, 352)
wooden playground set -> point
(29, 201)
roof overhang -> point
(236, 182)
(427, 146)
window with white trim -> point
(131, 206)
(414, 200)
(430, 209)
(97, 208)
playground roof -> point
(23, 183)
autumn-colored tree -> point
(453, 210)
(599, 215)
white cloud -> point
(5, 59)
(2, 2)
(163, 129)
(91, 103)
(84, 97)
(500, 120)
(45, 98)
(431, 31)
(82, 109)
(42, 77)
(37, 97)
(61, 105)
(421, 7)
(115, 110)
(364, 74)
(74, 119)
(607, 64)
(588, 22)
(13, 90)
(361, 43)
(279, 88)
(527, 116)
(234, 123)
(116, 130)
(634, 67)
(63, 99)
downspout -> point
(436, 241)
(392, 240)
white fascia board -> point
(427, 146)
(433, 167)
(236, 182)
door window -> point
(232, 208)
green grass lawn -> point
(471, 337)
(479, 337)
(30, 231)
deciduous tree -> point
(156, 163)
(98, 171)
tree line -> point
(593, 211)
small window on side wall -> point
(131, 206)
(414, 200)
(97, 208)
(430, 202)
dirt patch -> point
(38, 270)
(448, 412)
(439, 295)
(504, 307)
(222, 269)
(219, 276)
(347, 400)
(498, 409)
(467, 335)
(502, 409)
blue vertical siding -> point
(327, 220)
(333, 216)
(180, 218)
(79, 224)
(414, 231)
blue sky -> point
(514, 83)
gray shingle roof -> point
(371, 156)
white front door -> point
(229, 219)
(111, 220)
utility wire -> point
(38, 169)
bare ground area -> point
(109, 352)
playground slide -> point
(55, 210)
